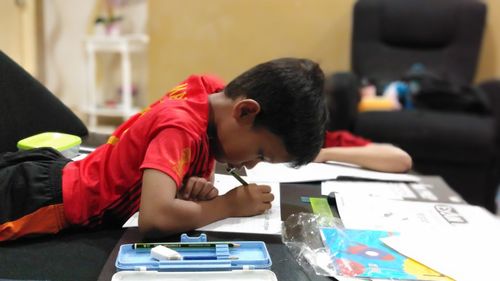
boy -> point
(160, 161)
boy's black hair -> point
(291, 96)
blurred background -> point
(224, 37)
(106, 59)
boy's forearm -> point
(184, 215)
(378, 157)
(162, 213)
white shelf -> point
(106, 130)
(112, 111)
(124, 46)
(128, 43)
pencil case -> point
(240, 275)
(221, 261)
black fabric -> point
(433, 92)
(30, 180)
(28, 108)
(69, 255)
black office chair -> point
(28, 108)
(388, 37)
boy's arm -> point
(374, 156)
(161, 213)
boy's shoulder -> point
(207, 83)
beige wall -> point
(226, 37)
(489, 61)
(19, 33)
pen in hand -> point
(232, 171)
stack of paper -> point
(268, 172)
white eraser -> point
(164, 253)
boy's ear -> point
(245, 110)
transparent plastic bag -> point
(301, 234)
(323, 246)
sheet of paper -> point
(470, 254)
(80, 156)
(385, 190)
(282, 172)
(224, 183)
(392, 190)
(268, 223)
(359, 212)
(133, 221)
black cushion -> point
(440, 136)
(28, 108)
(406, 24)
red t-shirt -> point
(170, 136)
(343, 138)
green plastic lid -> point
(59, 141)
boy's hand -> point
(198, 189)
(249, 200)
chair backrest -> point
(28, 108)
(389, 36)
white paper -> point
(133, 221)
(224, 183)
(80, 156)
(470, 254)
(385, 190)
(282, 172)
(267, 223)
(359, 212)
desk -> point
(90, 255)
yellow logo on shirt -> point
(183, 161)
(178, 92)
(113, 140)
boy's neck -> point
(218, 106)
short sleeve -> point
(170, 152)
(343, 139)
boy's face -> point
(247, 147)
(240, 144)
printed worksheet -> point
(267, 223)
(359, 212)
(411, 191)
